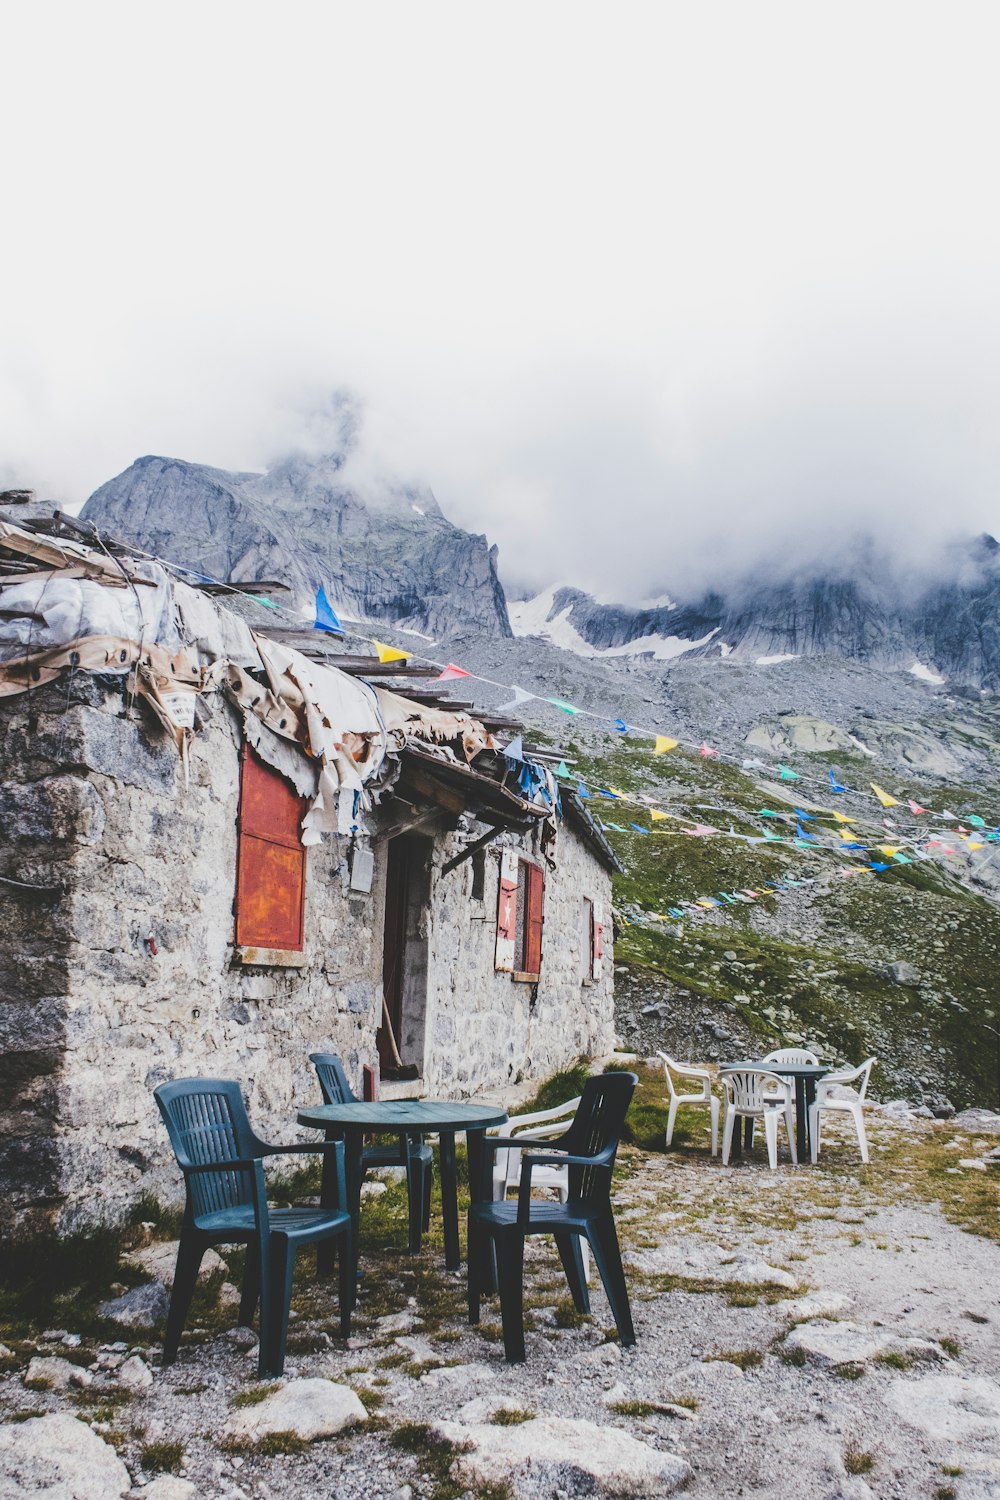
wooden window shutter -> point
(597, 938)
(506, 912)
(534, 891)
(271, 860)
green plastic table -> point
(397, 1116)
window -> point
(520, 916)
(593, 939)
(271, 860)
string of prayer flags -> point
(451, 671)
(326, 618)
(621, 726)
(567, 708)
(835, 785)
(883, 796)
(390, 653)
(520, 696)
(787, 774)
(663, 744)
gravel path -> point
(820, 1330)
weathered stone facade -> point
(122, 972)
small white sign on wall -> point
(362, 870)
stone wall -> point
(121, 974)
(486, 1028)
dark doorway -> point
(404, 958)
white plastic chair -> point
(850, 1103)
(793, 1056)
(752, 1092)
(507, 1164)
(703, 1078)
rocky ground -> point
(831, 1328)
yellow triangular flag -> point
(843, 818)
(663, 744)
(390, 653)
(889, 848)
(846, 835)
(883, 796)
(616, 792)
(972, 845)
(656, 815)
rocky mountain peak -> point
(383, 550)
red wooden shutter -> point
(534, 888)
(271, 861)
(597, 939)
(506, 912)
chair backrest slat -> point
(793, 1055)
(332, 1078)
(746, 1088)
(207, 1122)
(598, 1124)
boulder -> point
(903, 973)
(159, 1262)
(548, 1455)
(135, 1374)
(310, 1409)
(948, 1408)
(60, 1458)
(56, 1374)
(854, 1343)
(142, 1307)
(814, 1305)
(168, 1487)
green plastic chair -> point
(588, 1148)
(223, 1165)
(410, 1151)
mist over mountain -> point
(941, 623)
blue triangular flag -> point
(874, 865)
(806, 817)
(835, 785)
(326, 619)
(621, 726)
(638, 828)
(581, 791)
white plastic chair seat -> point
(835, 1092)
(754, 1093)
(702, 1095)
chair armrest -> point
(510, 1143)
(238, 1164)
(543, 1159)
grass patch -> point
(795, 1357)
(849, 1372)
(274, 1445)
(161, 1458)
(370, 1399)
(951, 1346)
(896, 1359)
(254, 1396)
(633, 1408)
(856, 1461)
(567, 1316)
(745, 1359)
(509, 1416)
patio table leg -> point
(449, 1199)
(480, 1191)
(326, 1249)
(801, 1123)
(353, 1172)
(810, 1098)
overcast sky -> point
(638, 290)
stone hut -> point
(219, 854)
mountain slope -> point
(943, 627)
(390, 556)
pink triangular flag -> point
(706, 751)
(915, 808)
(451, 671)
